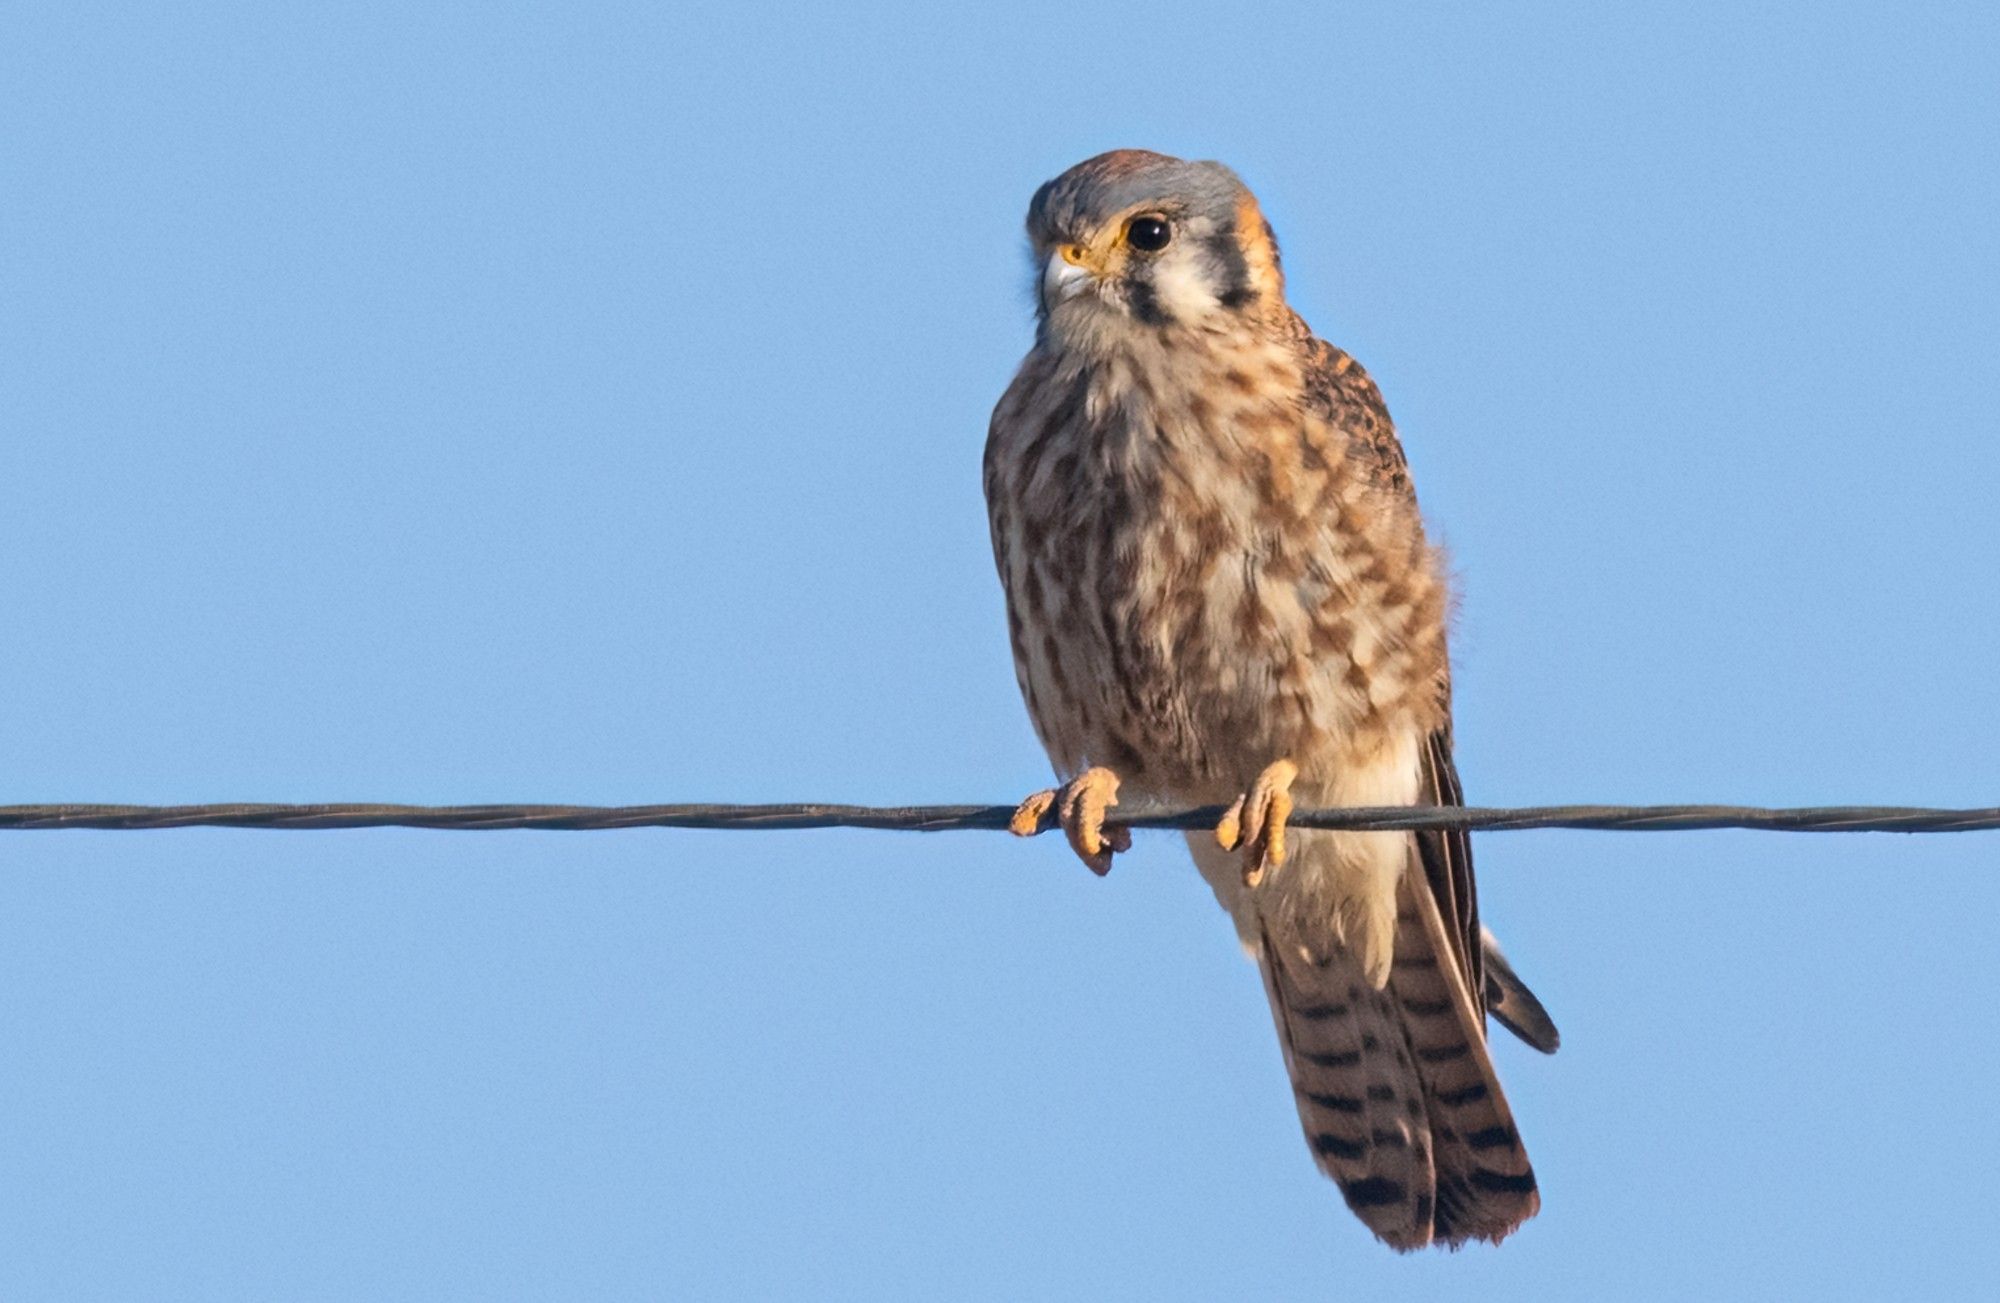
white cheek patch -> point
(1181, 289)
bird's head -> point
(1152, 240)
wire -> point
(964, 818)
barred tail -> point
(1395, 1088)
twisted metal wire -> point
(966, 818)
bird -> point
(1219, 591)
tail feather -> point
(1486, 1187)
(1362, 1108)
(1395, 1089)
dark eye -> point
(1148, 234)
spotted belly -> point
(1190, 681)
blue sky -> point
(584, 403)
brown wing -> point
(1342, 391)
(1512, 1004)
(1447, 861)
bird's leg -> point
(1079, 807)
(1256, 822)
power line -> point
(985, 818)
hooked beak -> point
(1066, 275)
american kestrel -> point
(1219, 592)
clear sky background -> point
(584, 403)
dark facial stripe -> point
(1145, 304)
(1236, 291)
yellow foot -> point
(1256, 822)
(1079, 808)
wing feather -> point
(1341, 390)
